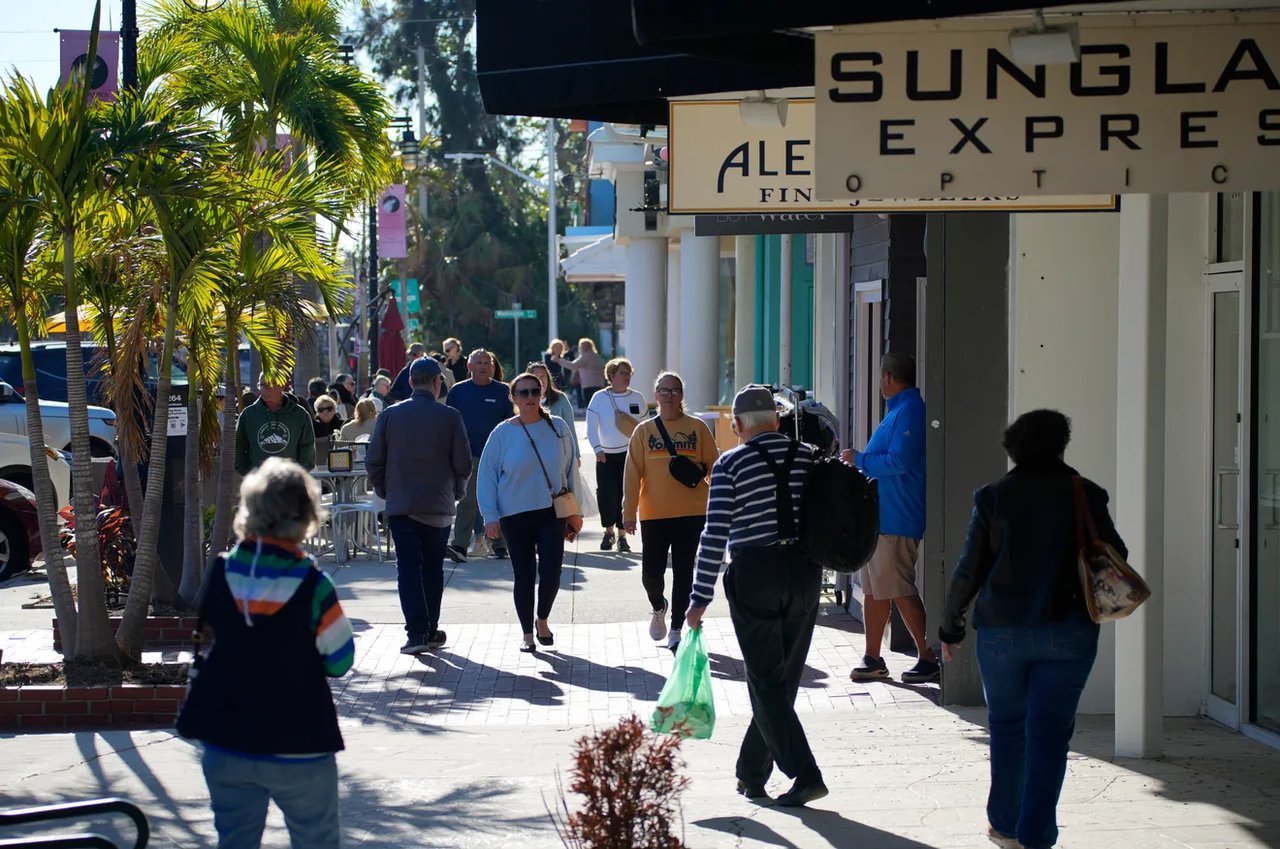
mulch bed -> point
(90, 674)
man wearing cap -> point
(422, 490)
(771, 587)
(400, 388)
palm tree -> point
(23, 301)
(266, 64)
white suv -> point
(57, 423)
(15, 466)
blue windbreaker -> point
(895, 458)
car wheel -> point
(14, 556)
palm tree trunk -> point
(129, 636)
(226, 499)
(64, 603)
(193, 506)
(93, 640)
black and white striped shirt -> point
(742, 509)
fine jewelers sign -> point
(1157, 103)
(718, 165)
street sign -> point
(515, 313)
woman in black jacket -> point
(1035, 641)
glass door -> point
(1265, 610)
(1225, 499)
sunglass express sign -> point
(1156, 103)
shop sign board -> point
(720, 166)
(1156, 104)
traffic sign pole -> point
(516, 313)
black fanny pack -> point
(684, 470)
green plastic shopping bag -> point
(685, 707)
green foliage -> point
(484, 243)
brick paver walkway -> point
(594, 674)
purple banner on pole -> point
(102, 69)
(392, 240)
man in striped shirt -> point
(771, 587)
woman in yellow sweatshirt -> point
(671, 511)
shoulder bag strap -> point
(782, 488)
(1086, 530)
(536, 453)
(662, 429)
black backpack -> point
(839, 511)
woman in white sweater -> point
(612, 415)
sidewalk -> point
(462, 749)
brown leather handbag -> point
(1112, 589)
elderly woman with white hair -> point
(260, 704)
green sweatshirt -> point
(262, 432)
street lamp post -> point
(553, 258)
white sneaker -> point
(477, 547)
(673, 639)
(658, 623)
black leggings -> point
(681, 535)
(609, 488)
(535, 543)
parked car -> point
(19, 530)
(57, 422)
(15, 466)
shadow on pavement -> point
(580, 672)
(732, 669)
(835, 829)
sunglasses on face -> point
(324, 409)
(529, 392)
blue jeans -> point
(419, 573)
(1032, 677)
(306, 793)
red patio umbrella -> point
(391, 352)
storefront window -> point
(1266, 595)
(1230, 227)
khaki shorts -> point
(891, 571)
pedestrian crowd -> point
(460, 456)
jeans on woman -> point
(306, 791)
(679, 535)
(609, 475)
(535, 544)
(1032, 677)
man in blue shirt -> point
(895, 458)
(484, 403)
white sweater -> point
(602, 427)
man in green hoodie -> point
(276, 425)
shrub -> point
(628, 781)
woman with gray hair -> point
(259, 703)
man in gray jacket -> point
(419, 460)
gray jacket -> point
(419, 458)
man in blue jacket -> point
(895, 458)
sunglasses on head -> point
(529, 392)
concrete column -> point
(700, 318)
(644, 309)
(744, 310)
(784, 311)
(1139, 495)
(673, 305)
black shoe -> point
(923, 672)
(456, 553)
(528, 648)
(752, 791)
(548, 640)
(802, 793)
(416, 644)
(606, 544)
(500, 553)
(872, 669)
(436, 640)
(623, 545)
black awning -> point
(580, 59)
(610, 60)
